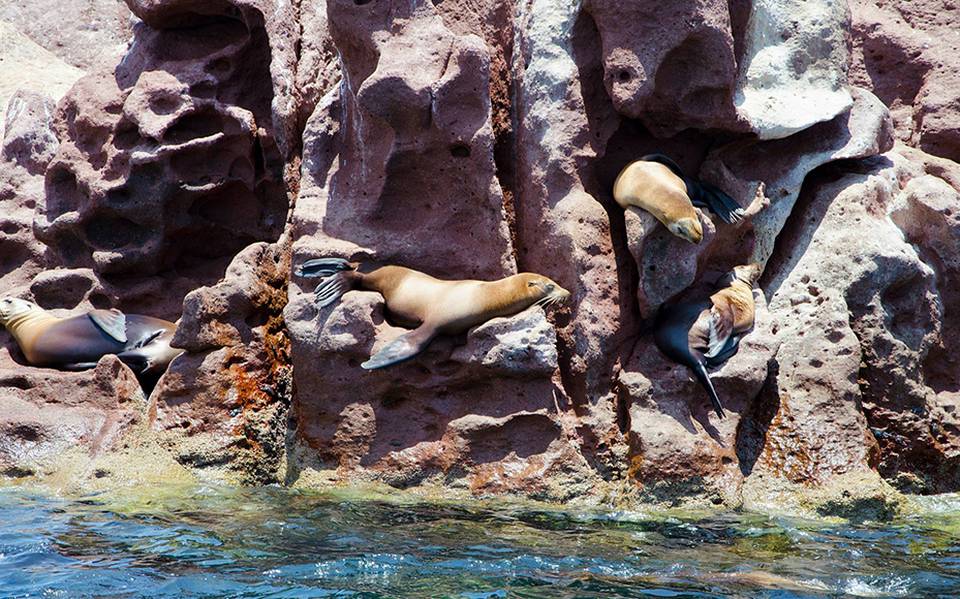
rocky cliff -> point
(475, 139)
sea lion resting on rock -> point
(656, 184)
(703, 332)
(78, 342)
(430, 306)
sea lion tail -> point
(323, 267)
(701, 373)
(707, 196)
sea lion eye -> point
(550, 287)
(531, 283)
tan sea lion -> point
(428, 305)
(656, 184)
(78, 342)
(706, 331)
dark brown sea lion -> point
(428, 305)
(78, 342)
(656, 184)
(702, 332)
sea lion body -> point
(656, 184)
(78, 342)
(429, 305)
(706, 331)
(655, 188)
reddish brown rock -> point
(909, 55)
(478, 138)
(776, 169)
(671, 65)
(40, 422)
(91, 35)
(678, 448)
(223, 405)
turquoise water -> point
(213, 542)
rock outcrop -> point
(477, 139)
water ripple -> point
(213, 542)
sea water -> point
(202, 541)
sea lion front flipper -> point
(402, 348)
(135, 360)
(722, 319)
(729, 349)
(77, 366)
(112, 322)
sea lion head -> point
(688, 228)
(11, 307)
(748, 273)
(542, 291)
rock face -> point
(90, 35)
(477, 139)
(908, 54)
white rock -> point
(795, 66)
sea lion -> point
(430, 306)
(78, 342)
(706, 331)
(657, 184)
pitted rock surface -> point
(477, 139)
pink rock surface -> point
(40, 422)
(909, 55)
(476, 139)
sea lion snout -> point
(687, 228)
(749, 273)
(561, 295)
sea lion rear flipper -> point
(112, 322)
(402, 348)
(701, 373)
(77, 366)
(704, 195)
(323, 267)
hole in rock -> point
(113, 232)
(218, 66)
(63, 192)
(202, 123)
(202, 36)
(164, 102)
(118, 196)
(362, 2)
(17, 382)
(624, 75)
(460, 151)
(232, 206)
(126, 136)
